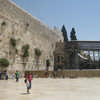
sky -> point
(83, 15)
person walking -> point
(26, 82)
(0, 75)
(29, 79)
(6, 75)
(17, 76)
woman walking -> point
(29, 79)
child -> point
(27, 84)
(29, 78)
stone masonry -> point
(26, 29)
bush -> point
(37, 52)
(4, 62)
(25, 50)
(13, 42)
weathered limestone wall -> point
(26, 29)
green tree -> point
(4, 62)
(63, 30)
(72, 34)
(37, 56)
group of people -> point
(28, 79)
(4, 75)
(53, 74)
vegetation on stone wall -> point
(3, 24)
(13, 50)
(37, 56)
(4, 62)
(25, 50)
(25, 53)
(13, 42)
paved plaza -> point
(51, 89)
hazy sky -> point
(83, 15)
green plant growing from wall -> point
(4, 62)
(13, 42)
(3, 24)
(13, 49)
(37, 56)
(25, 53)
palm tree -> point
(37, 56)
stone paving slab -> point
(51, 89)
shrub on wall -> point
(13, 42)
(25, 50)
(37, 56)
(37, 52)
(4, 62)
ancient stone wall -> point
(26, 29)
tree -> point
(47, 64)
(72, 34)
(37, 56)
(4, 62)
(63, 30)
(25, 53)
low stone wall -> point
(67, 73)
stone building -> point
(77, 55)
(25, 29)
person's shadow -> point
(25, 93)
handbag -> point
(25, 80)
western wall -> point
(26, 29)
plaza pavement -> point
(51, 89)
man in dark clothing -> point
(0, 75)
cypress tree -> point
(72, 34)
(63, 30)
